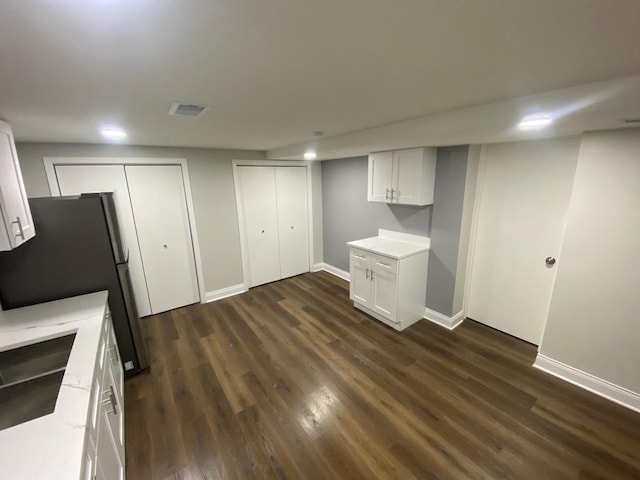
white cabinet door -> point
(258, 197)
(110, 457)
(407, 176)
(115, 411)
(162, 222)
(117, 372)
(78, 179)
(385, 287)
(108, 464)
(360, 277)
(380, 177)
(293, 224)
(17, 224)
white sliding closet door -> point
(160, 211)
(258, 197)
(293, 224)
(78, 179)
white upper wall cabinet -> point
(405, 177)
(17, 225)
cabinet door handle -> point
(392, 194)
(20, 231)
(112, 395)
(112, 400)
(366, 273)
(387, 194)
(372, 275)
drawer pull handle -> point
(383, 264)
(20, 230)
(112, 400)
(359, 256)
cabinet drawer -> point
(359, 255)
(385, 263)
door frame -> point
(51, 162)
(473, 233)
(244, 247)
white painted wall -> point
(593, 323)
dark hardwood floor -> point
(290, 381)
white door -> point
(258, 197)
(162, 222)
(524, 195)
(77, 179)
(380, 172)
(407, 175)
(293, 224)
(360, 277)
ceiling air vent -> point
(187, 109)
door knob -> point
(291, 227)
(165, 245)
(549, 261)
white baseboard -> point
(224, 293)
(331, 269)
(608, 390)
(447, 322)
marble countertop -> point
(51, 447)
(393, 244)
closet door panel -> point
(162, 222)
(293, 222)
(258, 197)
(78, 179)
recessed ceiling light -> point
(310, 155)
(113, 133)
(535, 122)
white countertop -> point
(393, 244)
(51, 447)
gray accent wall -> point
(347, 215)
(446, 224)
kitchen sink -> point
(30, 379)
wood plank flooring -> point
(289, 381)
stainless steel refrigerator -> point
(77, 249)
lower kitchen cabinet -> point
(388, 277)
(104, 444)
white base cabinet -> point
(389, 278)
(104, 457)
(404, 177)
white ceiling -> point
(274, 71)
